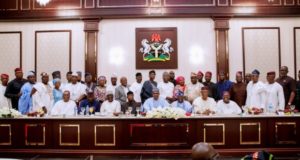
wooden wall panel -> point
(89, 3)
(255, 3)
(189, 3)
(122, 3)
(25, 5)
(12, 5)
(59, 4)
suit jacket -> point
(120, 94)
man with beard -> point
(238, 91)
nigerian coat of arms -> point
(156, 50)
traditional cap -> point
(179, 93)
(30, 73)
(56, 80)
(166, 74)
(271, 73)
(109, 93)
(114, 75)
(208, 72)
(101, 78)
(179, 78)
(204, 88)
(155, 90)
(200, 73)
(74, 74)
(43, 74)
(239, 73)
(4, 76)
(55, 73)
(18, 70)
(256, 72)
(193, 74)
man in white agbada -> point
(112, 87)
(154, 102)
(166, 88)
(256, 92)
(204, 104)
(193, 89)
(275, 97)
(64, 106)
(136, 87)
(4, 102)
(77, 90)
(226, 106)
(110, 106)
(42, 94)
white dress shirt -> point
(108, 108)
(42, 97)
(76, 90)
(275, 97)
(64, 108)
(165, 89)
(4, 102)
(136, 88)
(228, 108)
(256, 95)
(201, 105)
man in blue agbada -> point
(154, 102)
(223, 85)
(25, 101)
(181, 103)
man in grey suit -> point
(121, 91)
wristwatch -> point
(289, 103)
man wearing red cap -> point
(275, 95)
(4, 102)
(238, 91)
(213, 93)
(14, 87)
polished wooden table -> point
(236, 135)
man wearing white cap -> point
(25, 101)
(42, 94)
(193, 89)
(77, 90)
(110, 106)
(112, 87)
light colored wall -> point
(196, 46)
(286, 34)
(28, 39)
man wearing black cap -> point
(13, 88)
(256, 92)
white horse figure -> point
(146, 47)
(166, 47)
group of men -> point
(199, 95)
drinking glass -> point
(129, 111)
(91, 110)
(292, 107)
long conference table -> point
(231, 135)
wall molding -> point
(21, 47)
(52, 31)
(244, 45)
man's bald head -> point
(204, 151)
